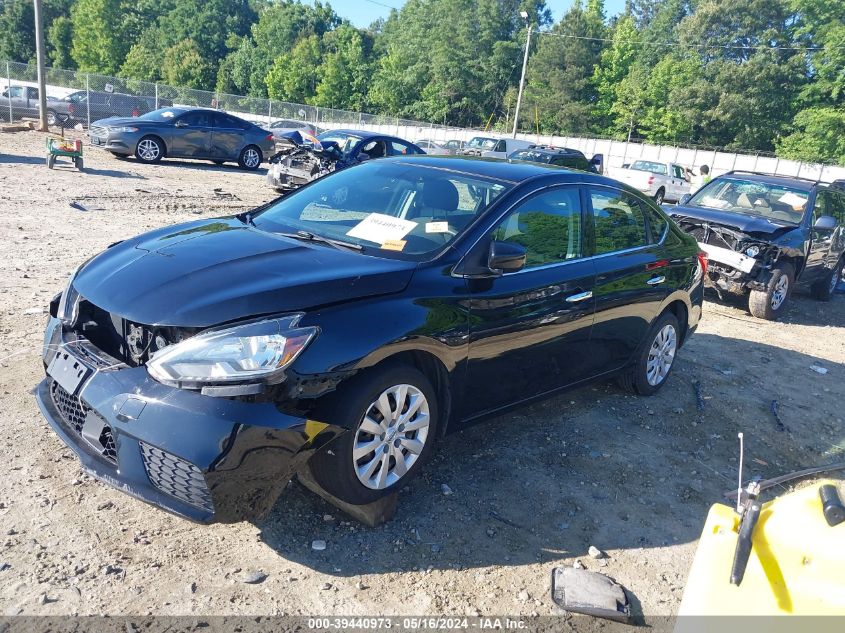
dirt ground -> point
(532, 490)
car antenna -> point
(739, 483)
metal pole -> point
(156, 96)
(88, 99)
(521, 82)
(9, 86)
(269, 111)
(39, 55)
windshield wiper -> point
(311, 237)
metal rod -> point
(521, 82)
(9, 87)
(739, 484)
(88, 99)
(39, 55)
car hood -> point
(746, 223)
(214, 271)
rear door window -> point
(398, 148)
(618, 221)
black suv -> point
(560, 156)
(764, 233)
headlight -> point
(123, 129)
(254, 352)
(752, 251)
(69, 303)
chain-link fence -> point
(87, 97)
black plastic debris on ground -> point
(590, 593)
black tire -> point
(246, 160)
(333, 466)
(760, 301)
(824, 288)
(78, 163)
(145, 153)
(659, 196)
(51, 161)
(635, 378)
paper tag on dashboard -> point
(380, 228)
(793, 200)
(393, 245)
(436, 227)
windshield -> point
(647, 165)
(391, 209)
(531, 155)
(481, 142)
(344, 140)
(161, 115)
(750, 197)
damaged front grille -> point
(176, 477)
(84, 422)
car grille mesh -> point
(74, 412)
(176, 477)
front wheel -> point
(250, 158)
(658, 197)
(150, 149)
(824, 288)
(656, 358)
(769, 303)
(392, 417)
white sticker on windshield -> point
(436, 227)
(380, 228)
(792, 199)
(167, 115)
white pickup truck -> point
(661, 181)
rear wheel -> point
(392, 417)
(150, 149)
(77, 162)
(51, 117)
(656, 358)
(769, 303)
(824, 288)
(250, 158)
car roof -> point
(557, 151)
(497, 169)
(788, 181)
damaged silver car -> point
(764, 234)
(301, 158)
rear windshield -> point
(480, 142)
(780, 204)
(391, 209)
(647, 165)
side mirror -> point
(506, 257)
(825, 223)
(685, 198)
(180, 124)
(597, 159)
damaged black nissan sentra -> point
(348, 326)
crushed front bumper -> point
(203, 458)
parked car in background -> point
(348, 326)
(559, 156)
(478, 144)
(455, 146)
(184, 133)
(661, 181)
(19, 102)
(297, 162)
(504, 147)
(763, 234)
(83, 105)
(432, 148)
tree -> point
(293, 76)
(185, 66)
(819, 137)
(344, 72)
(60, 43)
(101, 34)
(615, 64)
(17, 29)
(146, 58)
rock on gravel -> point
(595, 552)
(254, 577)
(318, 545)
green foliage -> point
(819, 137)
(293, 76)
(60, 43)
(184, 65)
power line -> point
(811, 49)
(381, 4)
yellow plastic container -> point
(797, 563)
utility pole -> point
(522, 79)
(39, 54)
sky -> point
(363, 12)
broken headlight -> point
(255, 352)
(752, 251)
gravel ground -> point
(531, 490)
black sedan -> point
(349, 325)
(184, 133)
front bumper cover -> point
(203, 458)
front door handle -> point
(655, 281)
(581, 296)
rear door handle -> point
(655, 281)
(581, 296)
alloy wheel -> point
(251, 158)
(148, 149)
(661, 355)
(391, 436)
(780, 291)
